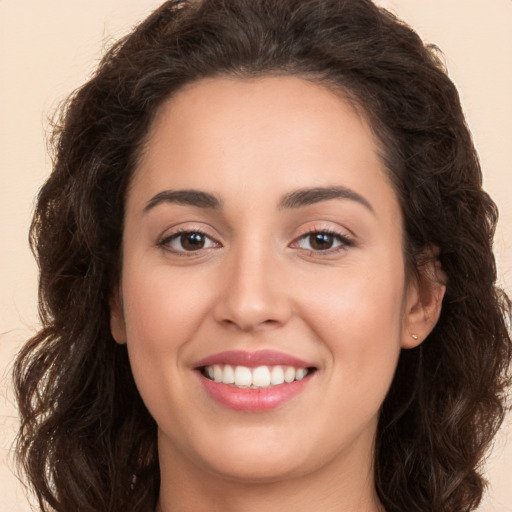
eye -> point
(188, 241)
(322, 241)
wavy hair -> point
(86, 441)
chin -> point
(269, 471)
(252, 456)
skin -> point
(259, 283)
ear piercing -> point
(414, 336)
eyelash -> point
(164, 242)
(343, 240)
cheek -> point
(358, 314)
(163, 310)
(159, 301)
(362, 299)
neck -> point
(268, 498)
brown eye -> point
(321, 241)
(192, 241)
(188, 241)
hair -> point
(86, 440)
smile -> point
(254, 381)
(259, 377)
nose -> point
(254, 295)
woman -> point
(266, 273)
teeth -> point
(289, 374)
(217, 373)
(243, 376)
(276, 375)
(300, 373)
(228, 375)
(260, 377)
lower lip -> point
(253, 400)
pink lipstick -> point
(252, 359)
(253, 381)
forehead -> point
(268, 134)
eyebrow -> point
(309, 196)
(295, 199)
(186, 197)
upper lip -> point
(253, 359)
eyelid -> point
(345, 236)
(171, 234)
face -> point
(263, 296)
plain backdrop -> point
(48, 48)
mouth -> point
(254, 381)
(245, 377)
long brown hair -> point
(86, 441)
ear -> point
(423, 300)
(117, 323)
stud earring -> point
(414, 336)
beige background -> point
(49, 47)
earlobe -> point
(424, 301)
(117, 323)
